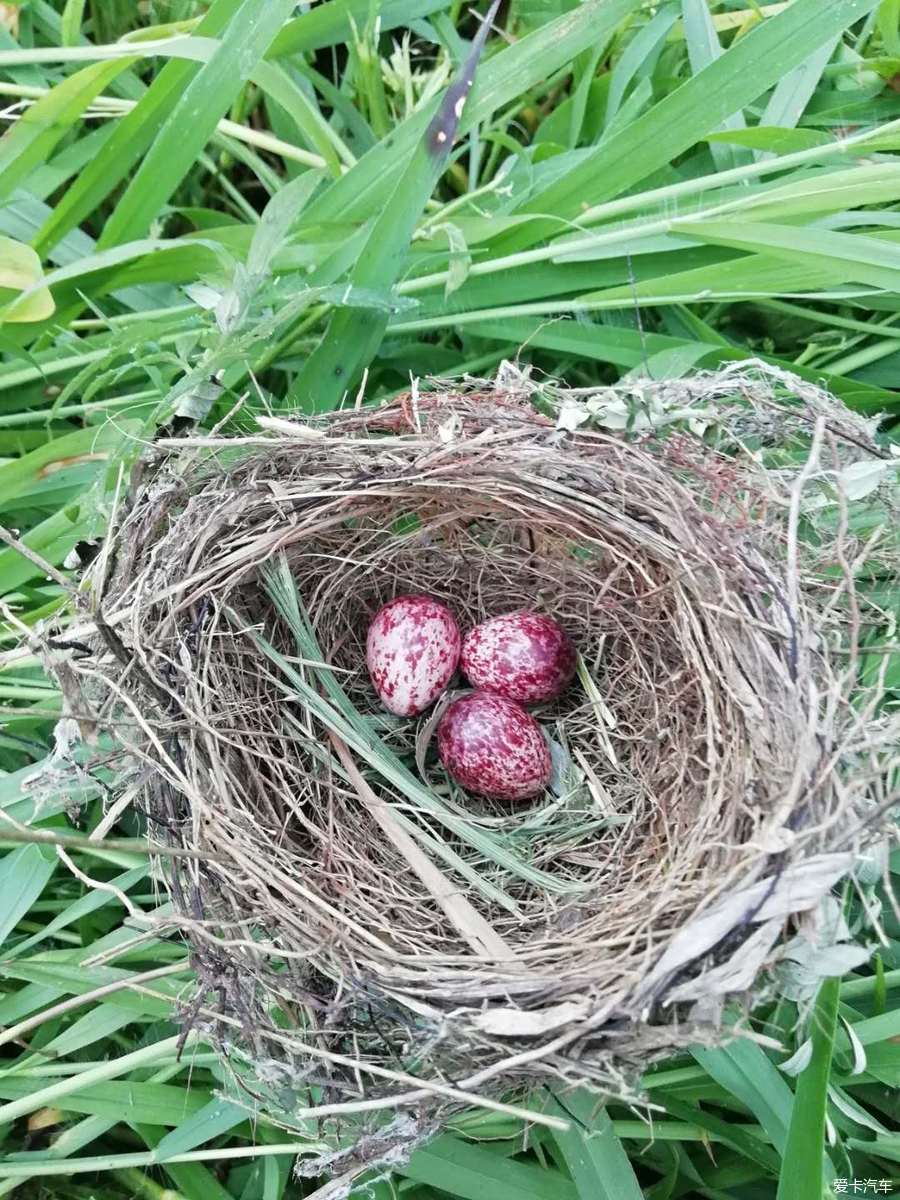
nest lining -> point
(698, 758)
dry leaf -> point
(797, 889)
(736, 975)
(289, 428)
(517, 1022)
(860, 479)
(45, 1118)
(74, 460)
(9, 18)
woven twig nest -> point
(371, 938)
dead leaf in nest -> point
(860, 479)
(517, 1022)
(797, 889)
(9, 18)
(736, 975)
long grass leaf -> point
(23, 876)
(157, 1104)
(216, 1117)
(364, 190)
(33, 137)
(636, 55)
(131, 138)
(353, 336)
(704, 49)
(592, 1151)
(801, 1175)
(794, 91)
(743, 1069)
(329, 24)
(194, 116)
(56, 1093)
(473, 1173)
(79, 909)
(853, 257)
(750, 67)
(72, 16)
(281, 88)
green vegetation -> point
(211, 210)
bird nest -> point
(367, 936)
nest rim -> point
(760, 663)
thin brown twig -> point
(36, 560)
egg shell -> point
(493, 747)
(525, 656)
(412, 651)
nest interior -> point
(345, 901)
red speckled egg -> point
(524, 656)
(493, 747)
(412, 651)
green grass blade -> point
(884, 1146)
(194, 1180)
(25, 472)
(131, 137)
(55, 979)
(704, 49)
(743, 1069)
(853, 257)
(329, 24)
(215, 1118)
(636, 55)
(100, 1022)
(801, 1175)
(194, 117)
(79, 909)
(365, 189)
(23, 876)
(353, 335)
(33, 137)
(281, 88)
(23, 1166)
(750, 67)
(592, 1151)
(164, 1105)
(793, 93)
(889, 25)
(57, 1093)
(473, 1173)
(72, 16)
(751, 1149)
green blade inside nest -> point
(337, 713)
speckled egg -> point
(412, 651)
(523, 656)
(493, 747)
